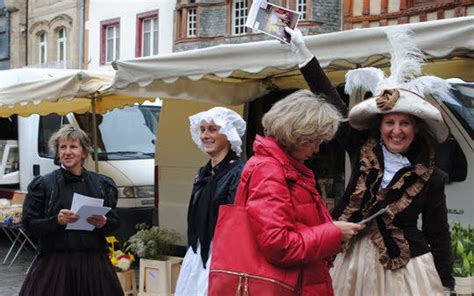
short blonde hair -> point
(301, 116)
(69, 132)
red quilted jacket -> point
(290, 221)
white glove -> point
(298, 47)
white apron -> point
(193, 278)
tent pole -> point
(94, 134)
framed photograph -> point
(272, 19)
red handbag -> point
(238, 266)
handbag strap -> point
(242, 192)
(241, 196)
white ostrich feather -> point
(406, 59)
(366, 78)
(432, 85)
(405, 66)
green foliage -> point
(153, 242)
(462, 240)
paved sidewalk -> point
(11, 278)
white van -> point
(126, 148)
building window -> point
(42, 48)
(110, 41)
(301, 7)
(113, 43)
(147, 34)
(61, 44)
(239, 16)
(150, 37)
(192, 22)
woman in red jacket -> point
(289, 220)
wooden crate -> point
(128, 283)
(158, 278)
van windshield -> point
(127, 133)
(463, 105)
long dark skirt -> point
(72, 274)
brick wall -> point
(327, 12)
(213, 21)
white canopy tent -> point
(237, 73)
(29, 91)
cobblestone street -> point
(12, 277)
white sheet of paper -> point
(85, 212)
(380, 212)
(79, 200)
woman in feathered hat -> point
(391, 141)
(217, 132)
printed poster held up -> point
(272, 19)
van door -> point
(459, 115)
(35, 156)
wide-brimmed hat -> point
(403, 91)
(362, 116)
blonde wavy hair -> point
(299, 117)
(69, 132)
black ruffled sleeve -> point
(111, 197)
(319, 83)
(34, 208)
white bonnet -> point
(231, 123)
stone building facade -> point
(374, 13)
(204, 23)
(47, 33)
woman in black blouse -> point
(217, 132)
(70, 262)
(391, 140)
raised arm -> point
(312, 72)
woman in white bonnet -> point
(217, 132)
(391, 140)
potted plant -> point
(122, 259)
(462, 240)
(158, 271)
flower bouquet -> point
(153, 242)
(120, 255)
(158, 270)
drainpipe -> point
(9, 28)
(81, 34)
(26, 33)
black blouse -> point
(213, 187)
(48, 195)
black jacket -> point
(48, 194)
(210, 191)
(434, 236)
